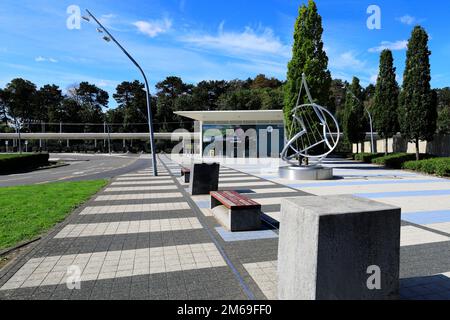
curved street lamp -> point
(108, 38)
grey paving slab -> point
(419, 263)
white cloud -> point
(394, 46)
(345, 64)
(106, 19)
(154, 27)
(407, 19)
(347, 60)
(44, 59)
(105, 83)
(241, 44)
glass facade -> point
(243, 140)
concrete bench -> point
(338, 248)
(235, 211)
(186, 173)
(204, 178)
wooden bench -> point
(186, 172)
(235, 211)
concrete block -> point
(238, 220)
(204, 178)
(338, 248)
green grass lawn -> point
(29, 211)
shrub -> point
(367, 157)
(437, 166)
(396, 160)
(11, 163)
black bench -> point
(235, 211)
(186, 173)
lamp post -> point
(18, 126)
(108, 38)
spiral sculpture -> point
(317, 131)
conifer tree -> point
(354, 118)
(309, 57)
(418, 107)
(385, 107)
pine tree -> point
(385, 107)
(309, 57)
(418, 110)
(354, 118)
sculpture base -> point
(305, 173)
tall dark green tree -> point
(20, 100)
(91, 100)
(206, 94)
(49, 104)
(3, 101)
(168, 92)
(354, 118)
(385, 106)
(131, 99)
(443, 123)
(244, 99)
(418, 110)
(309, 57)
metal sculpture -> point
(315, 139)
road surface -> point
(81, 167)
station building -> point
(263, 129)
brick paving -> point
(145, 237)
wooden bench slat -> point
(234, 200)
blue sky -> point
(205, 40)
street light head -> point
(86, 18)
(107, 39)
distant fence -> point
(440, 146)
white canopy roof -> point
(234, 115)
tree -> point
(385, 106)
(354, 119)
(338, 94)
(168, 92)
(309, 57)
(3, 104)
(131, 99)
(49, 99)
(116, 115)
(271, 99)
(91, 101)
(261, 81)
(418, 112)
(206, 94)
(71, 113)
(443, 122)
(19, 100)
(244, 99)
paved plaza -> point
(145, 237)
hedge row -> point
(394, 160)
(437, 166)
(367, 157)
(11, 163)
